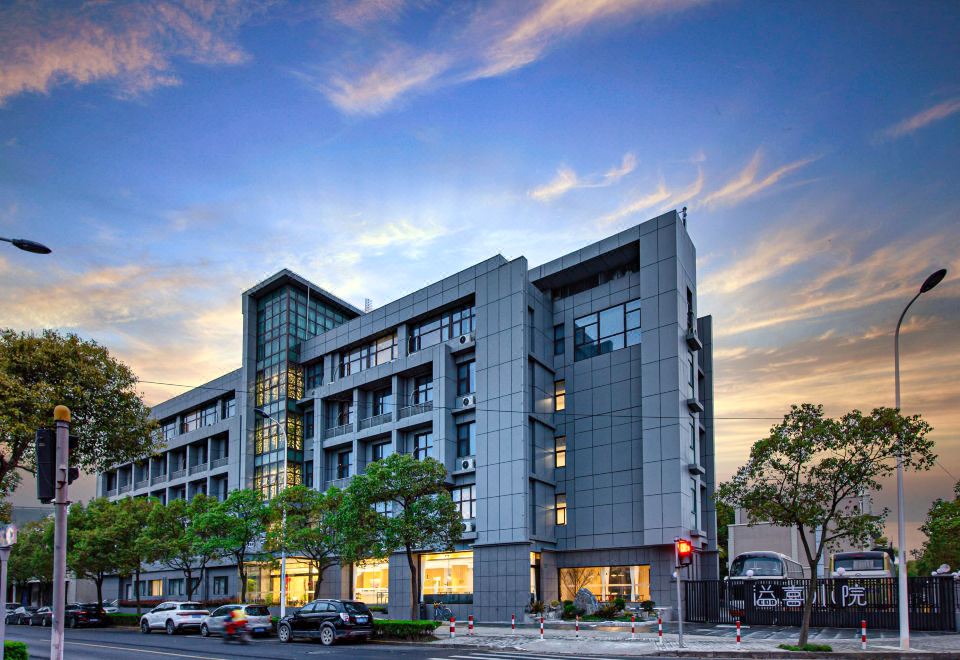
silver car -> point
(258, 620)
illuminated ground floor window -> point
(371, 581)
(263, 582)
(447, 577)
(632, 583)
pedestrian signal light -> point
(684, 552)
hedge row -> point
(120, 619)
(409, 630)
(15, 651)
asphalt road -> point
(121, 644)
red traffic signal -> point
(684, 552)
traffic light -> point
(46, 451)
(684, 552)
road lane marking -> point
(140, 650)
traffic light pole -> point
(61, 415)
(676, 557)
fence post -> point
(453, 627)
(659, 629)
(513, 624)
(633, 627)
(578, 626)
(863, 635)
(470, 626)
(738, 633)
(541, 627)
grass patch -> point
(813, 648)
(405, 630)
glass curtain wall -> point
(284, 319)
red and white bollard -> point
(633, 626)
(453, 627)
(578, 626)
(470, 625)
(541, 628)
(738, 634)
(513, 623)
(863, 635)
(659, 630)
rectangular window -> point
(154, 588)
(371, 581)
(221, 584)
(561, 503)
(560, 449)
(307, 474)
(693, 436)
(447, 577)
(694, 505)
(313, 375)
(380, 451)
(342, 413)
(466, 439)
(191, 421)
(466, 378)
(382, 402)
(367, 356)
(560, 395)
(308, 423)
(229, 408)
(533, 329)
(608, 330)
(423, 445)
(422, 389)
(559, 337)
(693, 378)
(343, 464)
(169, 429)
(175, 586)
(465, 497)
(209, 415)
(454, 323)
(632, 583)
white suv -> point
(173, 617)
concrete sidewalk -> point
(562, 641)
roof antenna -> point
(683, 216)
(367, 305)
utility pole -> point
(7, 538)
(61, 415)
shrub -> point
(405, 630)
(554, 604)
(607, 611)
(382, 609)
(647, 606)
(15, 651)
(620, 603)
(120, 619)
(146, 603)
(567, 602)
(813, 648)
(570, 611)
(536, 607)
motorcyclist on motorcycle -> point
(236, 626)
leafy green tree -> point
(31, 558)
(38, 372)
(307, 523)
(422, 515)
(811, 470)
(93, 541)
(182, 535)
(725, 518)
(135, 545)
(942, 529)
(234, 526)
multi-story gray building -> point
(571, 404)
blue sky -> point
(174, 153)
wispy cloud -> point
(655, 200)
(746, 184)
(359, 13)
(922, 119)
(567, 179)
(492, 41)
(401, 232)
(134, 46)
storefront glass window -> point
(371, 582)
(632, 583)
(447, 577)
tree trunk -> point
(316, 585)
(808, 607)
(188, 574)
(99, 582)
(136, 588)
(242, 571)
(414, 585)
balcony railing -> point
(199, 467)
(143, 483)
(125, 488)
(416, 409)
(219, 462)
(157, 478)
(376, 420)
(338, 483)
(112, 493)
(343, 429)
(176, 474)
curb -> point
(839, 655)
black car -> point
(42, 617)
(328, 621)
(84, 614)
(20, 615)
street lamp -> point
(933, 280)
(283, 522)
(27, 245)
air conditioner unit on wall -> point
(469, 526)
(469, 400)
(468, 463)
(465, 339)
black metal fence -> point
(837, 603)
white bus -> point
(758, 565)
(861, 564)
